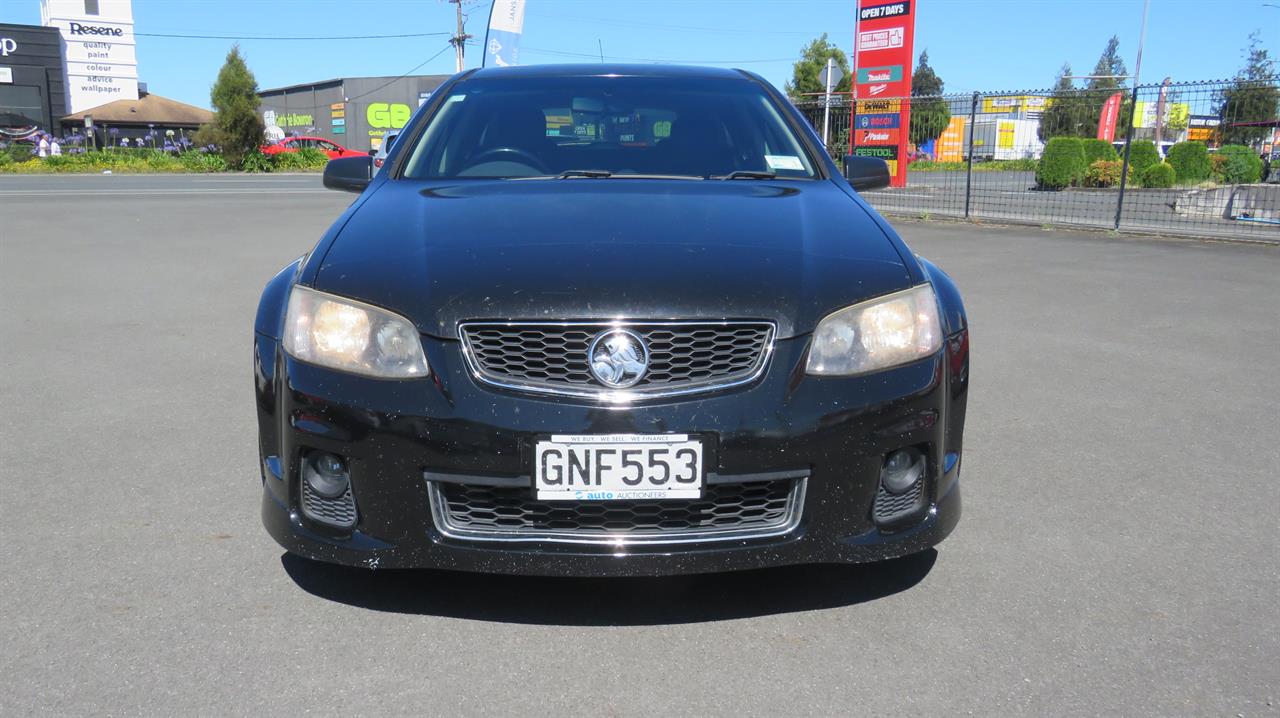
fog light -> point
(325, 474)
(902, 470)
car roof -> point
(609, 69)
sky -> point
(972, 44)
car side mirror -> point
(866, 173)
(372, 152)
(349, 174)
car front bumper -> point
(396, 434)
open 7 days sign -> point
(882, 53)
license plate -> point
(615, 467)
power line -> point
(661, 26)
(401, 77)
(595, 56)
(252, 37)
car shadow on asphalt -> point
(609, 601)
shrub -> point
(304, 159)
(1217, 166)
(1142, 154)
(1062, 164)
(255, 161)
(1159, 176)
(1105, 173)
(1190, 161)
(1095, 149)
(203, 162)
(1237, 164)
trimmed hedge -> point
(1190, 162)
(1159, 176)
(1096, 150)
(1062, 164)
(1142, 155)
(1237, 164)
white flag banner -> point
(502, 39)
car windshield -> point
(601, 127)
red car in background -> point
(293, 144)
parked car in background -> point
(380, 155)
(293, 144)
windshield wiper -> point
(584, 173)
(608, 174)
(747, 174)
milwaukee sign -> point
(882, 53)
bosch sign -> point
(78, 29)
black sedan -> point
(609, 320)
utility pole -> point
(459, 40)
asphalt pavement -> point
(1119, 552)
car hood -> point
(452, 251)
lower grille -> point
(339, 512)
(889, 507)
(725, 512)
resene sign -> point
(101, 63)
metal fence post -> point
(1128, 143)
(968, 176)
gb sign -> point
(382, 115)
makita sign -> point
(76, 28)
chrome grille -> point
(725, 512)
(684, 357)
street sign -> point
(830, 76)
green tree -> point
(235, 104)
(929, 114)
(1254, 96)
(813, 58)
(1109, 75)
(1065, 115)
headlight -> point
(877, 334)
(351, 336)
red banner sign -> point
(1110, 115)
(882, 50)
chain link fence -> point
(1197, 159)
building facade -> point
(32, 85)
(356, 112)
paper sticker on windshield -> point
(783, 162)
